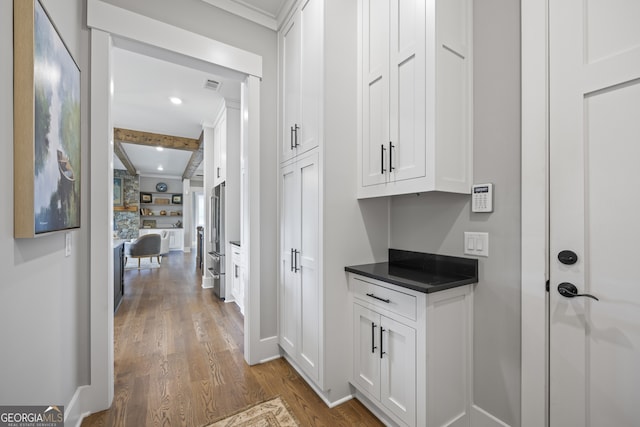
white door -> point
(398, 369)
(366, 353)
(306, 263)
(311, 83)
(289, 286)
(594, 209)
(407, 100)
(375, 92)
(290, 45)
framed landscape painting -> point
(46, 126)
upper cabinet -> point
(220, 149)
(415, 100)
(300, 46)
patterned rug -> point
(272, 413)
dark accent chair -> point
(143, 247)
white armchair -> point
(164, 244)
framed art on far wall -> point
(46, 103)
(117, 192)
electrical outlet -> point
(476, 243)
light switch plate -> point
(476, 243)
(67, 244)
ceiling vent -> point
(211, 84)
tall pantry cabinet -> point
(321, 225)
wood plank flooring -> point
(179, 359)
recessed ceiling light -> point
(159, 148)
(160, 168)
(175, 100)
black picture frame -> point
(146, 197)
(176, 199)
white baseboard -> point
(316, 389)
(481, 418)
(384, 419)
(207, 282)
(74, 412)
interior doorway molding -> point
(535, 213)
(108, 23)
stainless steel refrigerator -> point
(218, 241)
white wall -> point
(44, 296)
(436, 222)
(202, 18)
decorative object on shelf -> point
(117, 192)
(146, 212)
(163, 212)
(176, 199)
(146, 198)
(162, 201)
(178, 224)
(175, 213)
(161, 187)
(149, 223)
(46, 126)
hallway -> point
(179, 359)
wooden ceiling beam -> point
(118, 149)
(155, 139)
(195, 160)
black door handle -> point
(391, 147)
(569, 290)
(381, 351)
(382, 169)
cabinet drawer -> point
(390, 299)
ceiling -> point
(143, 81)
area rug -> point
(272, 413)
(132, 263)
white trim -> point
(535, 135)
(246, 11)
(314, 387)
(100, 392)
(129, 25)
(72, 413)
(481, 418)
(107, 20)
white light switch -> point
(67, 244)
(476, 243)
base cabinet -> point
(385, 361)
(237, 285)
(412, 352)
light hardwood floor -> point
(179, 359)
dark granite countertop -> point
(421, 272)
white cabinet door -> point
(290, 45)
(220, 150)
(307, 264)
(398, 369)
(301, 45)
(311, 82)
(375, 92)
(289, 287)
(407, 103)
(300, 288)
(366, 357)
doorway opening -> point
(107, 29)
